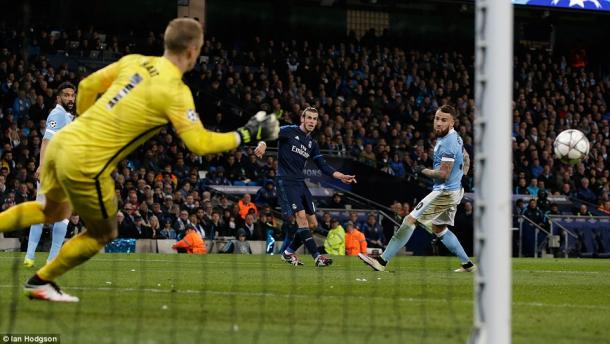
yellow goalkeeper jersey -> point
(140, 95)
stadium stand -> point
(375, 103)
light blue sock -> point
(398, 241)
(35, 233)
(59, 234)
(270, 242)
(453, 244)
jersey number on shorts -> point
(133, 81)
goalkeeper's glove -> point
(260, 127)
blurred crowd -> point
(552, 96)
(376, 105)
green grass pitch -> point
(152, 298)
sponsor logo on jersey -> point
(302, 151)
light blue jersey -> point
(58, 118)
(449, 148)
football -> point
(571, 146)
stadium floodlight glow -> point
(493, 155)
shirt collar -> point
(451, 131)
(303, 131)
(171, 66)
(60, 107)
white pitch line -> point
(140, 260)
(566, 271)
(266, 263)
(171, 261)
(308, 296)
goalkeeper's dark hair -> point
(448, 109)
(63, 86)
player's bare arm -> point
(260, 149)
(442, 173)
(347, 179)
(43, 148)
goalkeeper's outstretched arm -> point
(182, 115)
(202, 141)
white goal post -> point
(493, 182)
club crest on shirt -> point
(53, 124)
(309, 144)
(192, 115)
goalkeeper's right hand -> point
(260, 127)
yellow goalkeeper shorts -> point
(92, 197)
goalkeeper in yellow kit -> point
(139, 96)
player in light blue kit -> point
(437, 210)
(58, 118)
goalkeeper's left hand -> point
(260, 127)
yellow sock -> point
(21, 216)
(74, 252)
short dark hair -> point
(63, 86)
(448, 109)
